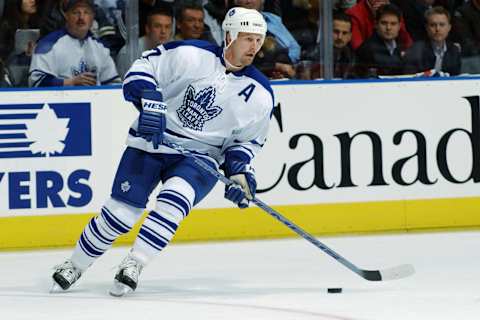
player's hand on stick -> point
(152, 122)
(244, 185)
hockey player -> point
(204, 98)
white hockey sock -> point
(173, 205)
(115, 219)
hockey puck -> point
(334, 290)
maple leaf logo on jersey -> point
(197, 108)
(48, 132)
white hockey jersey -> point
(59, 56)
(210, 110)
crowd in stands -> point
(84, 42)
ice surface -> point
(274, 279)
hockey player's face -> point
(245, 47)
(79, 20)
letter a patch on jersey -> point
(197, 108)
(247, 92)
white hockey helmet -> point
(243, 20)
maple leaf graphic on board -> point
(48, 132)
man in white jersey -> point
(72, 56)
(204, 98)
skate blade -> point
(119, 289)
(56, 288)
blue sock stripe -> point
(84, 250)
(105, 230)
(86, 246)
(163, 225)
(117, 228)
(118, 221)
(177, 202)
(171, 224)
(178, 194)
(173, 204)
(90, 243)
(148, 242)
(96, 233)
(153, 238)
(107, 224)
(166, 240)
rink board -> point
(339, 159)
(232, 224)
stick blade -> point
(398, 272)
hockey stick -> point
(398, 272)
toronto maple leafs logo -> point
(197, 108)
(83, 67)
(45, 130)
(47, 141)
(125, 186)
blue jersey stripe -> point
(142, 74)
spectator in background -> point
(158, 30)
(300, 18)
(190, 25)
(363, 22)
(145, 6)
(5, 81)
(71, 56)
(53, 18)
(436, 56)
(342, 5)
(215, 11)
(20, 14)
(275, 27)
(466, 28)
(343, 55)
(381, 54)
(18, 35)
(414, 15)
(280, 51)
(450, 5)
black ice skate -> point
(126, 278)
(65, 275)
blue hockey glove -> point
(152, 122)
(244, 185)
